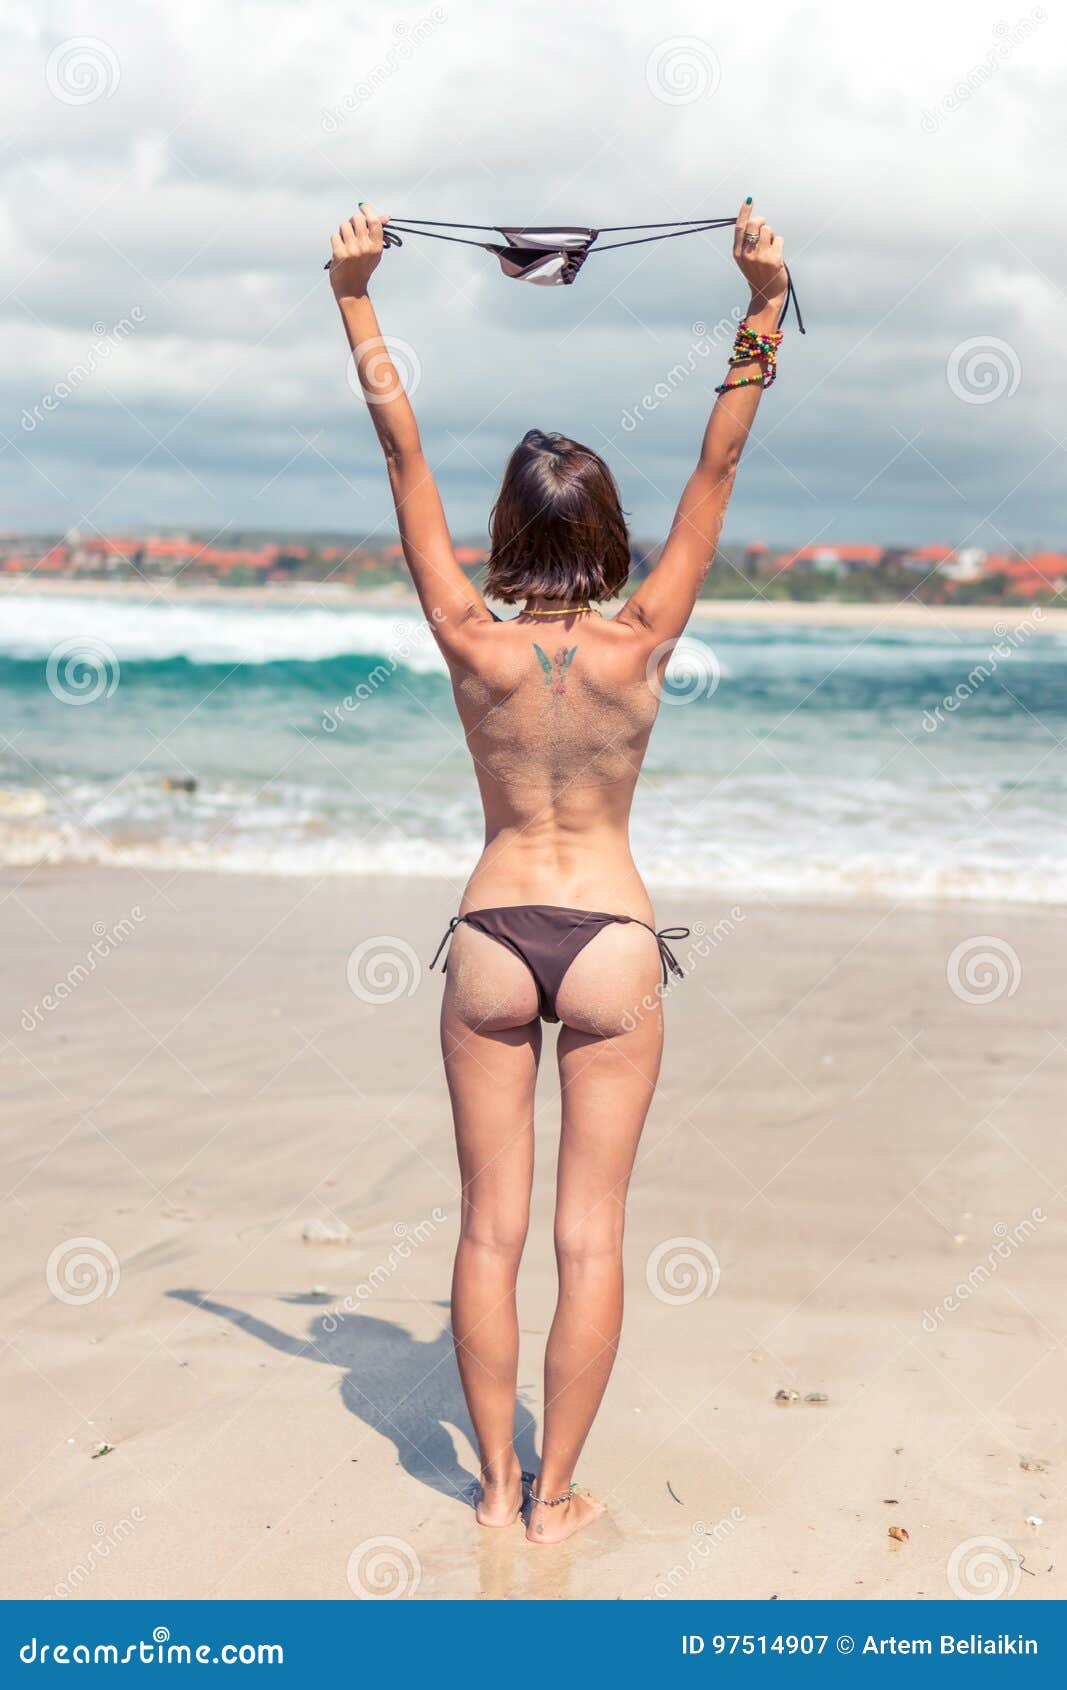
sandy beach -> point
(850, 1189)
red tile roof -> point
(931, 554)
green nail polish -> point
(749, 200)
(362, 203)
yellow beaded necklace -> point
(568, 610)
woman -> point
(557, 704)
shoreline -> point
(736, 900)
(326, 595)
(720, 902)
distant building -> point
(836, 560)
(926, 560)
(967, 564)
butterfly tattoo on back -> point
(554, 669)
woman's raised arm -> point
(664, 601)
(448, 598)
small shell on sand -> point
(816, 1396)
(786, 1397)
(899, 1534)
(325, 1232)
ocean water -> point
(787, 761)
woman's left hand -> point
(357, 251)
(758, 253)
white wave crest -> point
(754, 877)
(142, 632)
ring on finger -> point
(750, 241)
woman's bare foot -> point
(500, 1502)
(553, 1525)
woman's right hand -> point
(758, 255)
(357, 251)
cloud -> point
(191, 164)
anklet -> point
(554, 1501)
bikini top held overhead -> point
(552, 256)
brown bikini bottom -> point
(548, 937)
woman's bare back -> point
(557, 714)
(556, 704)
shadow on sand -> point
(407, 1390)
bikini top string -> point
(679, 226)
(715, 223)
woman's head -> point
(557, 529)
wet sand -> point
(849, 1188)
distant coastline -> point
(906, 613)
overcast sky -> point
(173, 173)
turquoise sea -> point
(788, 761)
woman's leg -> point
(491, 1046)
(609, 1054)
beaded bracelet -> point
(747, 346)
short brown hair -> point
(557, 528)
